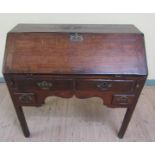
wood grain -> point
(92, 61)
(55, 53)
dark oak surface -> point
(106, 61)
(116, 49)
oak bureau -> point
(106, 61)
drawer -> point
(106, 85)
(25, 99)
(43, 84)
(123, 100)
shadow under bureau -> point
(106, 61)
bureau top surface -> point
(75, 49)
(81, 28)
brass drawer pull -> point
(104, 85)
(123, 99)
(25, 98)
(44, 84)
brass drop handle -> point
(104, 85)
(44, 84)
(25, 98)
(123, 99)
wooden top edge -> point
(79, 28)
(144, 73)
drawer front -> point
(123, 100)
(106, 85)
(43, 84)
(25, 99)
